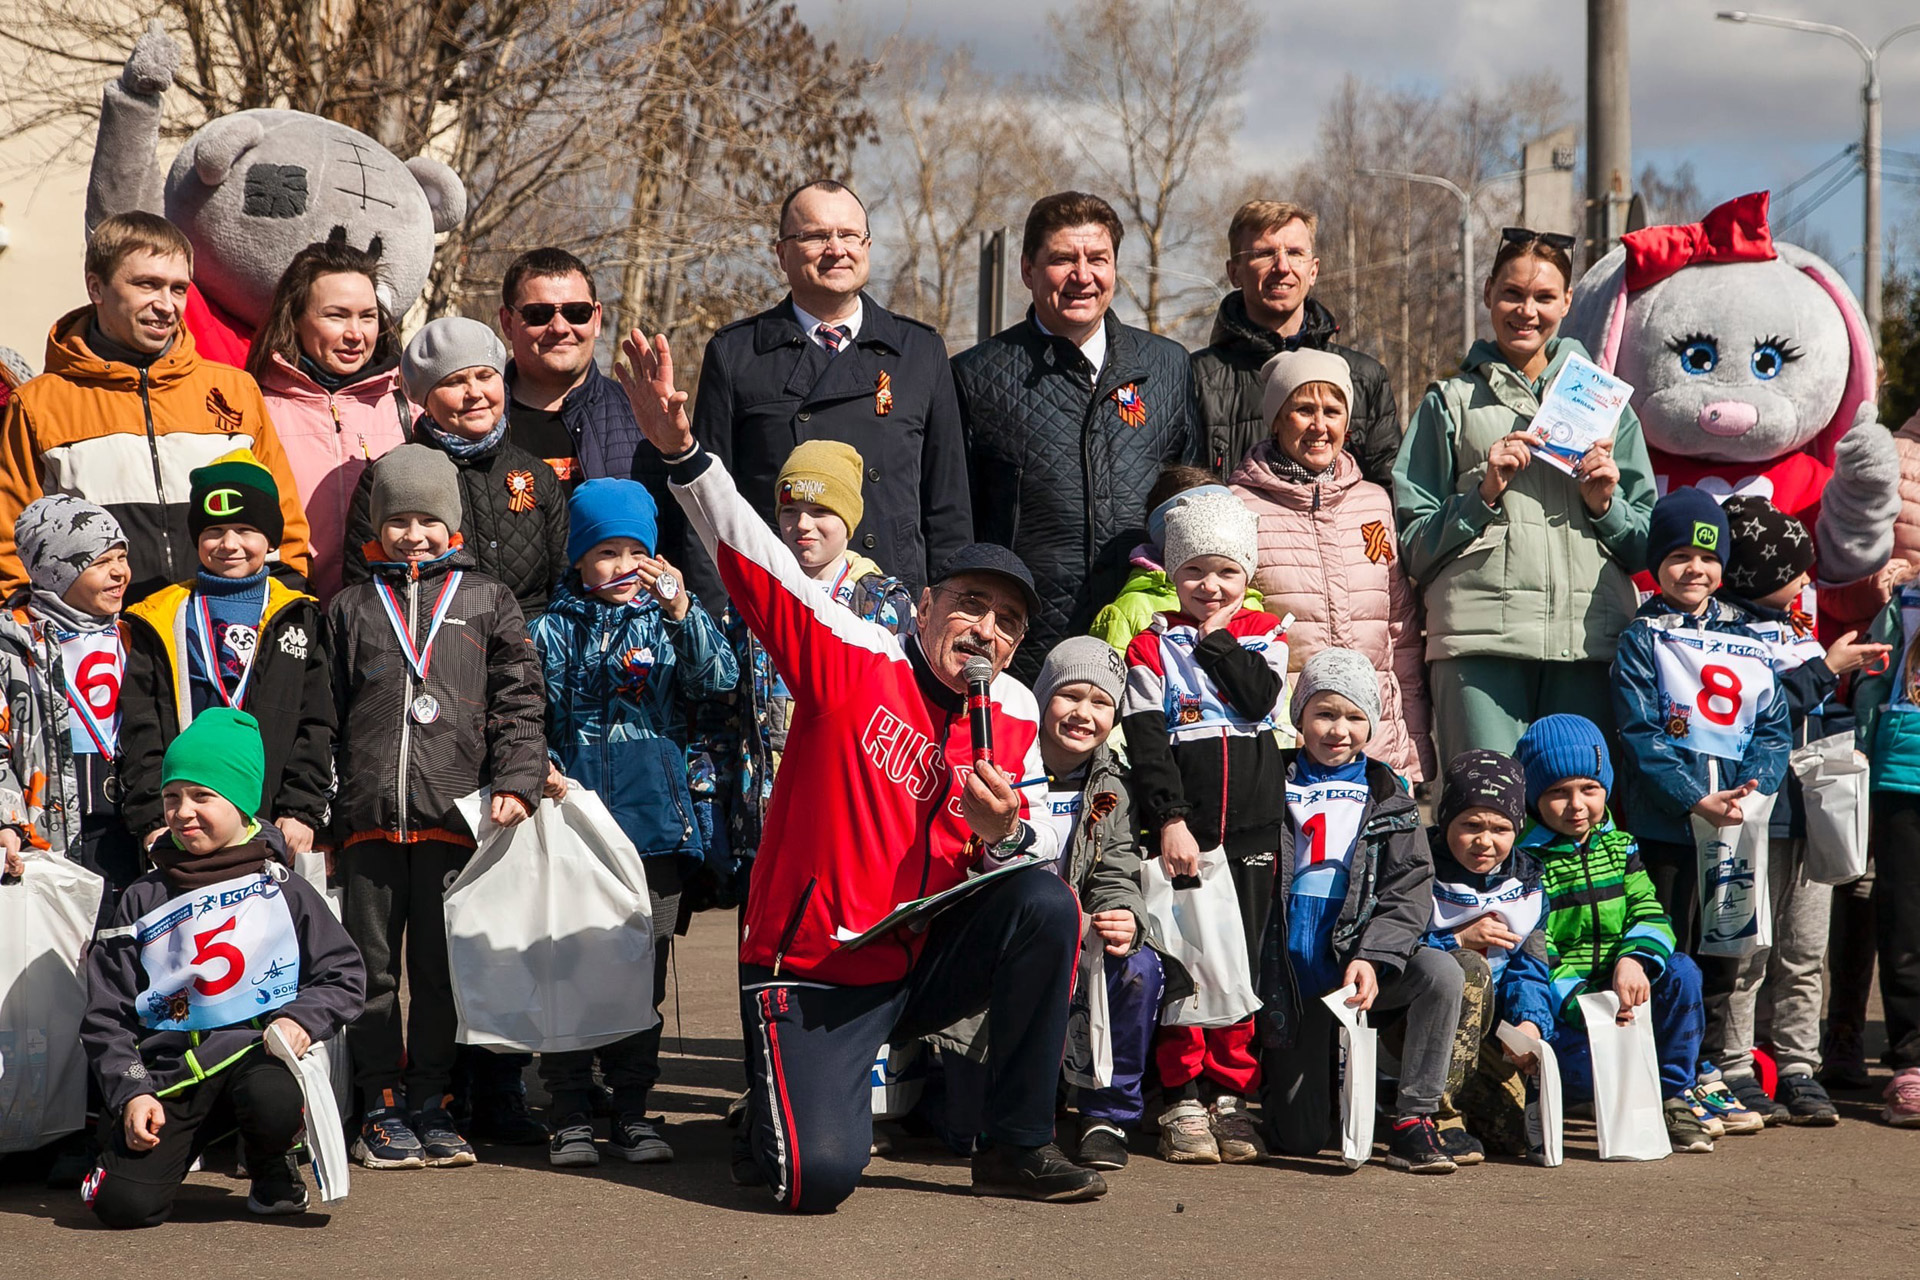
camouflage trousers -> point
(1485, 1094)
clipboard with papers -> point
(919, 913)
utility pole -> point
(1609, 126)
(1870, 284)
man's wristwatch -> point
(1014, 843)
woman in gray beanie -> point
(515, 508)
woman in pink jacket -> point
(328, 361)
(1329, 549)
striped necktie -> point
(832, 336)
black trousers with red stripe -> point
(1008, 950)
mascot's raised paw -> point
(153, 63)
(1855, 532)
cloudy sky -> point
(1750, 106)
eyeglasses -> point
(1527, 235)
(971, 606)
(536, 314)
(1262, 260)
(819, 241)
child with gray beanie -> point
(1204, 689)
(62, 644)
(515, 506)
(1350, 816)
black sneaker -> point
(1806, 1102)
(1461, 1147)
(638, 1140)
(278, 1189)
(1748, 1091)
(386, 1141)
(441, 1143)
(503, 1118)
(571, 1146)
(1413, 1144)
(1102, 1146)
(746, 1170)
(1034, 1173)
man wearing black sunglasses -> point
(560, 406)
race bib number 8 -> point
(1713, 688)
(217, 957)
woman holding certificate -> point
(1524, 561)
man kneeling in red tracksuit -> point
(876, 803)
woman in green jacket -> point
(1525, 571)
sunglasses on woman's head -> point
(536, 314)
(1526, 235)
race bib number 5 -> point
(218, 957)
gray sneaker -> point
(638, 1140)
(1685, 1130)
(1234, 1132)
(571, 1146)
(1186, 1136)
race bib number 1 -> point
(217, 957)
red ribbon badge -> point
(1133, 409)
(883, 395)
(1735, 232)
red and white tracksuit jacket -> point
(866, 807)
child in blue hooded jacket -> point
(622, 646)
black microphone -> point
(979, 674)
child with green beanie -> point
(623, 647)
(234, 637)
(438, 695)
(218, 944)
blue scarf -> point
(231, 602)
(459, 446)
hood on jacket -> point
(69, 357)
(1233, 328)
(1521, 865)
(1257, 472)
(290, 382)
(1484, 356)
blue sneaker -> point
(440, 1142)
(386, 1141)
(1714, 1101)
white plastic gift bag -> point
(1359, 1068)
(326, 1140)
(311, 866)
(1834, 776)
(1202, 930)
(46, 921)
(1089, 1059)
(1626, 1081)
(1736, 907)
(550, 931)
(899, 1078)
(1550, 1141)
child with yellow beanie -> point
(233, 637)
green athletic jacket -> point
(1600, 907)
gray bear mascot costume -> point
(254, 188)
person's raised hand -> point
(1179, 851)
(143, 1120)
(1599, 476)
(1507, 458)
(1365, 981)
(1487, 931)
(659, 409)
(654, 571)
(1116, 930)
(990, 804)
(1722, 808)
(1846, 655)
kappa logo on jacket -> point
(293, 642)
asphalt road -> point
(1841, 1202)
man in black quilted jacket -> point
(1070, 416)
(1272, 268)
(827, 362)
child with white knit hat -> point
(1205, 688)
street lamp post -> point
(1469, 314)
(1870, 157)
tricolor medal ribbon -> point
(422, 657)
(1133, 409)
(212, 665)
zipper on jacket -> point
(1593, 909)
(406, 701)
(159, 487)
(793, 924)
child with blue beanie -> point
(1605, 927)
(622, 646)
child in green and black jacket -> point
(1605, 929)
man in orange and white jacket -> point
(879, 802)
(127, 408)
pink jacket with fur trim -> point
(1329, 555)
